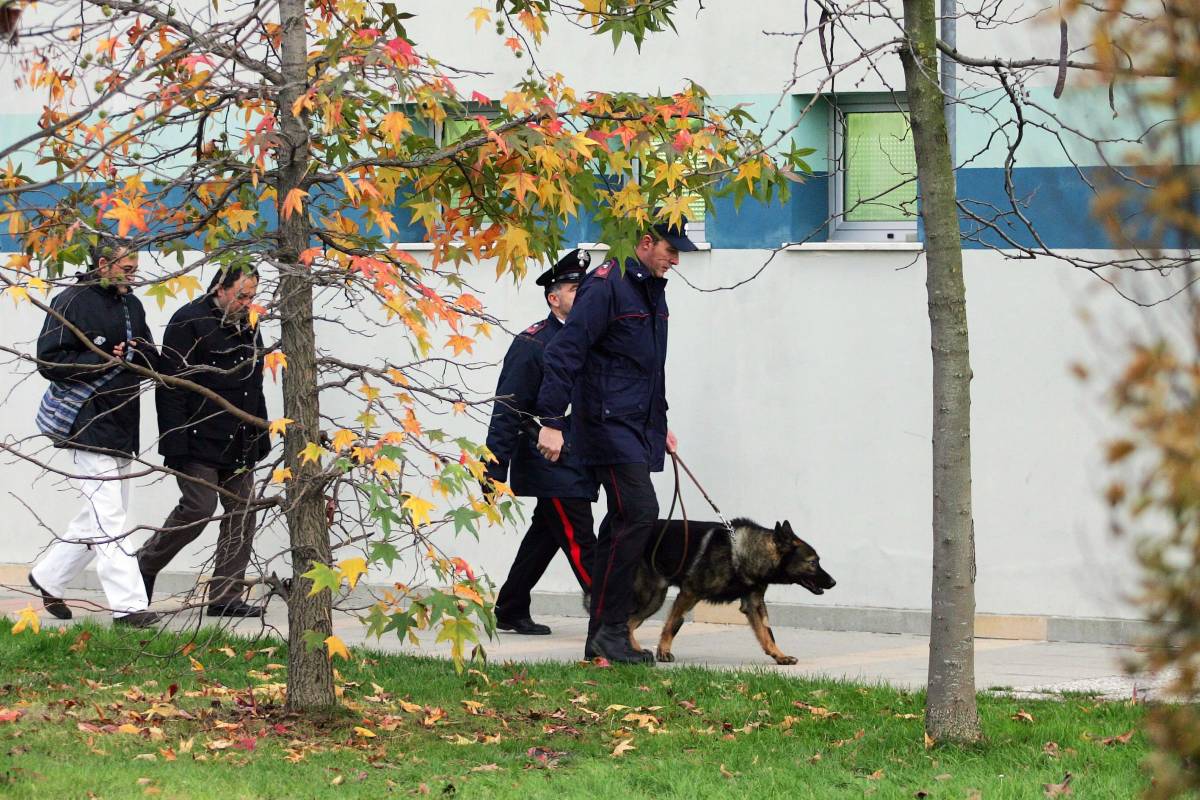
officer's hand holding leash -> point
(550, 443)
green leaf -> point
(313, 640)
(464, 519)
(458, 632)
(322, 577)
(385, 552)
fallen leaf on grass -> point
(1058, 789)
(1022, 716)
(337, 781)
(1050, 749)
(877, 775)
(1122, 739)
(623, 747)
(486, 768)
(858, 734)
(545, 756)
(726, 773)
(10, 715)
(365, 733)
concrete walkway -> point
(1019, 666)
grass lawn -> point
(92, 712)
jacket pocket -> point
(624, 395)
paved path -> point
(900, 660)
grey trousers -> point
(196, 507)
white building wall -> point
(805, 395)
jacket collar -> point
(552, 321)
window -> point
(873, 189)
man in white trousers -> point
(104, 434)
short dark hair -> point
(107, 247)
(228, 276)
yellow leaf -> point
(256, 311)
(336, 647)
(352, 569)
(481, 16)
(343, 439)
(27, 618)
(279, 426)
(293, 202)
(368, 391)
(365, 733)
(280, 475)
(273, 361)
(394, 125)
(196, 665)
(748, 172)
(237, 218)
(386, 466)
(19, 294)
(312, 452)
(418, 509)
(189, 283)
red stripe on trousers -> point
(612, 552)
(573, 549)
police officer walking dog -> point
(562, 518)
(607, 363)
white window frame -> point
(841, 230)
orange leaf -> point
(294, 202)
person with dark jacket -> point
(211, 342)
(562, 517)
(103, 437)
(607, 364)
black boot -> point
(524, 625)
(612, 642)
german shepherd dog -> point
(707, 563)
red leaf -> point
(10, 716)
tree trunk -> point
(310, 674)
(950, 710)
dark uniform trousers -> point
(559, 523)
(196, 507)
(624, 533)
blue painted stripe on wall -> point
(1057, 200)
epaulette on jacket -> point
(605, 268)
(535, 327)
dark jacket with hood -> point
(225, 356)
(109, 419)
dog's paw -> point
(665, 656)
(786, 661)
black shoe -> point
(524, 626)
(138, 619)
(234, 608)
(53, 604)
(612, 642)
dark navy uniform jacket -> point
(607, 363)
(520, 378)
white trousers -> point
(98, 531)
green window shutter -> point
(879, 156)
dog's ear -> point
(787, 528)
